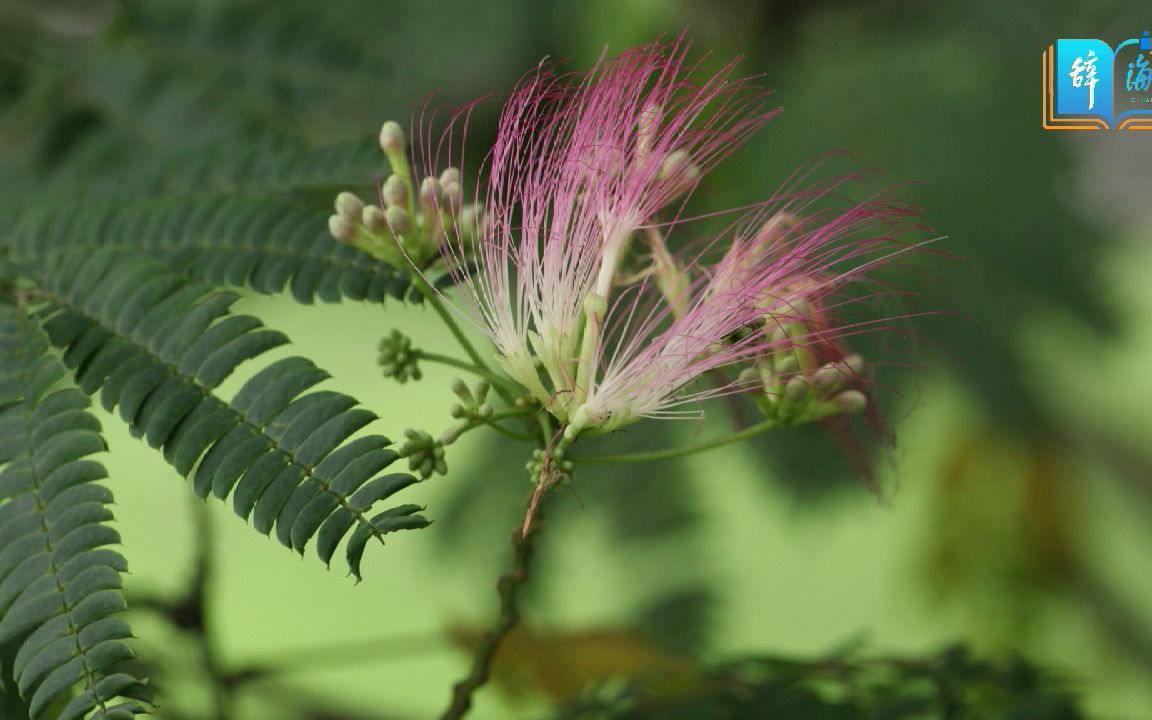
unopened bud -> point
(451, 195)
(484, 411)
(646, 126)
(482, 388)
(395, 192)
(796, 391)
(595, 305)
(392, 138)
(429, 195)
(460, 388)
(374, 218)
(458, 411)
(679, 170)
(349, 205)
(449, 176)
(830, 377)
(341, 228)
(450, 435)
(398, 220)
(470, 216)
(850, 401)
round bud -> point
(349, 205)
(796, 391)
(374, 218)
(449, 176)
(429, 194)
(850, 401)
(458, 411)
(450, 436)
(341, 228)
(679, 170)
(395, 192)
(452, 195)
(484, 411)
(398, 220)
(392, 138)
(460, 389)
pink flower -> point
(581, 170)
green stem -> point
(492, 419)
(670, 453)
(494, 378)
(445, 314)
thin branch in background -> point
(509, 588)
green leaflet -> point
(59, 580)
(282, 453)
(271, 244)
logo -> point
(1090, 86)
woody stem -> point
(509, 588)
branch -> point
(509, 587)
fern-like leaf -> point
(157, 347)
(59, 580)
(266, 244)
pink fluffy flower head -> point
(577, 186)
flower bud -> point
(452, 196)
(484, 411)
(398, 220)
(341, 228)
(449, 176)
(429, 196)
(458, 411)
(349, 205)
(850, 401)
(392, 138)
(646, 126)
(395, 192)
(374, 218)
(460, 389)
(679, 171)
(796, 391)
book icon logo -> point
(1088, 85)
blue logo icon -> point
(1090, 86)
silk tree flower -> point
(587, 178)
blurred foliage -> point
(953, 685)
(149, 104)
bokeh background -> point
(1014, 511)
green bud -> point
(796, 391)
(830, 377)
(595, 305)
(374, 219)
(646, 126)
(484, 411)
(398, 220)
(441, 466)
(451, 196)
(392, 138)
(458, 411)
(481, 390)
(341, 229)
(395, 192)
(460, 388)
(679, 170)
(786, 363)
(850, 401)
(449, 176)
(450, 435)
(349, 206)
(429, 195)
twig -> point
(509, 587)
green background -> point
(1017, 497)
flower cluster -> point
(571, 273)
